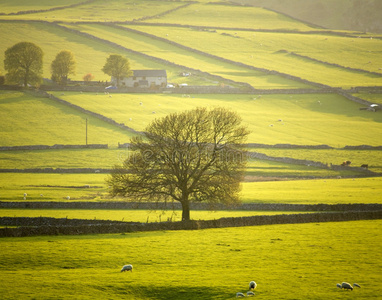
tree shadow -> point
(183, 292)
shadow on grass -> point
(181, 292)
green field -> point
(203, 264)
(28, 120)
(325, 118)
(307, 119)
(90, 55)
(92, 187)
(187, 58)
(271, 51)
(136, 215)
(227, 45)
(331, 156)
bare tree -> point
(192, 156)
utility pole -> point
(86, 131)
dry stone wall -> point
(119, 227)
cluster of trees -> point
(24, 65)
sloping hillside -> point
(360, 15)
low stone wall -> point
(115, 227)
(57, 146)
(288, 146)
(25, 12)
(56, 170)
(194, 206)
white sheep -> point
(25, 194)
(345, 286)
(238, 295)
(250, 294)
(67, 197)
(357, 285)
(127, 268)
(252, 285)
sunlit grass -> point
(220, 15)
(15, 6)
(90, 55)
(293, 119)
(92, 187)
(270, 51)
(141, 216)
(172, 53)
(309, 259)
(101, 11)
(333, 156)
(326, 191)
(48, 187)
(28, 120)
(372, 97)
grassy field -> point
(306, 119)
(206, 264)
(376, 98)
(332, 156)
(141, 216)
(100, 11)
(92, 187)
(90, 55)
(264, 50)
(107, 158)
(230, 16)
(261, 48)
(297, 261)
(180, 56)
(52, 186)
(28, 120)
(15, 6)
(326, 191)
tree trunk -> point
(185, 210)
(26, 78)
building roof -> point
(149, 73)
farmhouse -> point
(144, 78)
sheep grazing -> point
(127, 268)
(345, 286)
(239, 295)
(357, 285)
(250, 294)
(252, 285)
(67, 197)
(25, 194)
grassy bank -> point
(212, 264)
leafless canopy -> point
(191, 156)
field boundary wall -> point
(56, 146)
(124, 205)
(187, 225)
(25, 12)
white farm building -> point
(144, 78)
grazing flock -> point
(253, 285)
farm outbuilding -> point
(144, 78)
